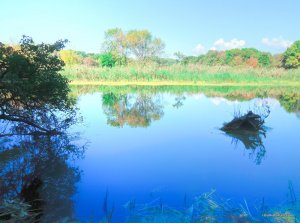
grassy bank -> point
(196, 75)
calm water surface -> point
(167, 146)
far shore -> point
(184, 83)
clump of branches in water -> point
(252, 121)
(248, 128)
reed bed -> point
(182, 73)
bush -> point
(107, 60)
(70, 57)
(88, 61)
(264, 59)
(252, 62)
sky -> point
(190, 26)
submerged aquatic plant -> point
(17, 211)
(205, 208)
(209, 208)
(107, 212)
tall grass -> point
(177, 72)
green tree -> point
(291, 57)
(35, 114)
(247, 56)
(107, 60)
(31, 84)
(264, 59)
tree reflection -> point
(36, 178)
(179, 101)
(291, 103)
(35, 167)
(133, 110)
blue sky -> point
(189, 26)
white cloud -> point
(278, 43)
(200, 49)
(221, 44)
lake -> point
(167, 147)
(158, 155)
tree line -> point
(124, 47)
(119, 47)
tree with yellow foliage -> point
(138, 43)
(70, 57)
(143, 45)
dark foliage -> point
(31, 85)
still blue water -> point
(179, 152)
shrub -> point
(107, 60)
(252, 62)
(264, 59)
(88, 61)
(70, 57)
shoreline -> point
(185, 83)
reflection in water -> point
(179, 101)
(128, 172)
(35, 157)
(139, 110)
(253, 142)
(291, 103)
(289, 97)
(36, 170)
(133, 110)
